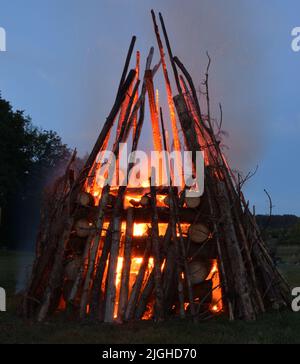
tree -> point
(293, 235)
(29, 159)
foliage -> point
(29, 157)
(293, 235)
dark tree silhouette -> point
(29, 158)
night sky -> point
(64, 60)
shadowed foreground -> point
(276, 327)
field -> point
(273, 327)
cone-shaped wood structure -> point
(121, 253)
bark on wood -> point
(153, 112)
(192, 202)
(159, 297)
(168, 86)
(112, 271)
(198, 233)
(124, 290)
(149, 286)
(85, 199)
(136, 289)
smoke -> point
(225, 31)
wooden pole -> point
(153, 112)
(136, 289)
(124, 290)
(107, 127)
(140, 104)
(159, 302)
(168, 87)
(149, 286)
(101, 214)
(179, 246)
(170, 53)
(112, 270)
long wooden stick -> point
(107, 127)
(124, 290)
(168, 86)
(153, 112)
(179, 245)
(149, 285)
(140, 104)
(99, 224)
(159, 302)
(126, 66)
(170, 53)
(136, 289)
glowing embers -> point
(135, 266)
(140, 229)
(216, 305)
(139, 200)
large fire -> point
(136, 263)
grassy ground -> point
(274, 327)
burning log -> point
(83, 228)
(179, 245)
(72, 268)
(168, 86)
(192, 202)
(136, 289)
(85, 199)
(159, 297)
(134, 203)
(111, 278)
(149, 286)
(76, 245)
(153, 112)
(116, 254)
(199, 271)
(204, 251)
(145, 201)
(124, 290)
(198, 233)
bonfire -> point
(117, 252)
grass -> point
(273, 327)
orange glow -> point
(170, 100)
(215, 308)
(157, 101)
(216, 305)
(137, 69)
(157, 140)
(140, 229)
(136, 263)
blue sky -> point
(64, 59)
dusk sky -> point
(64, 60)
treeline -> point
(29, 158)
(285, 229)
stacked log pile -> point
(206, 240)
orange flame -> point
(216, 305)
